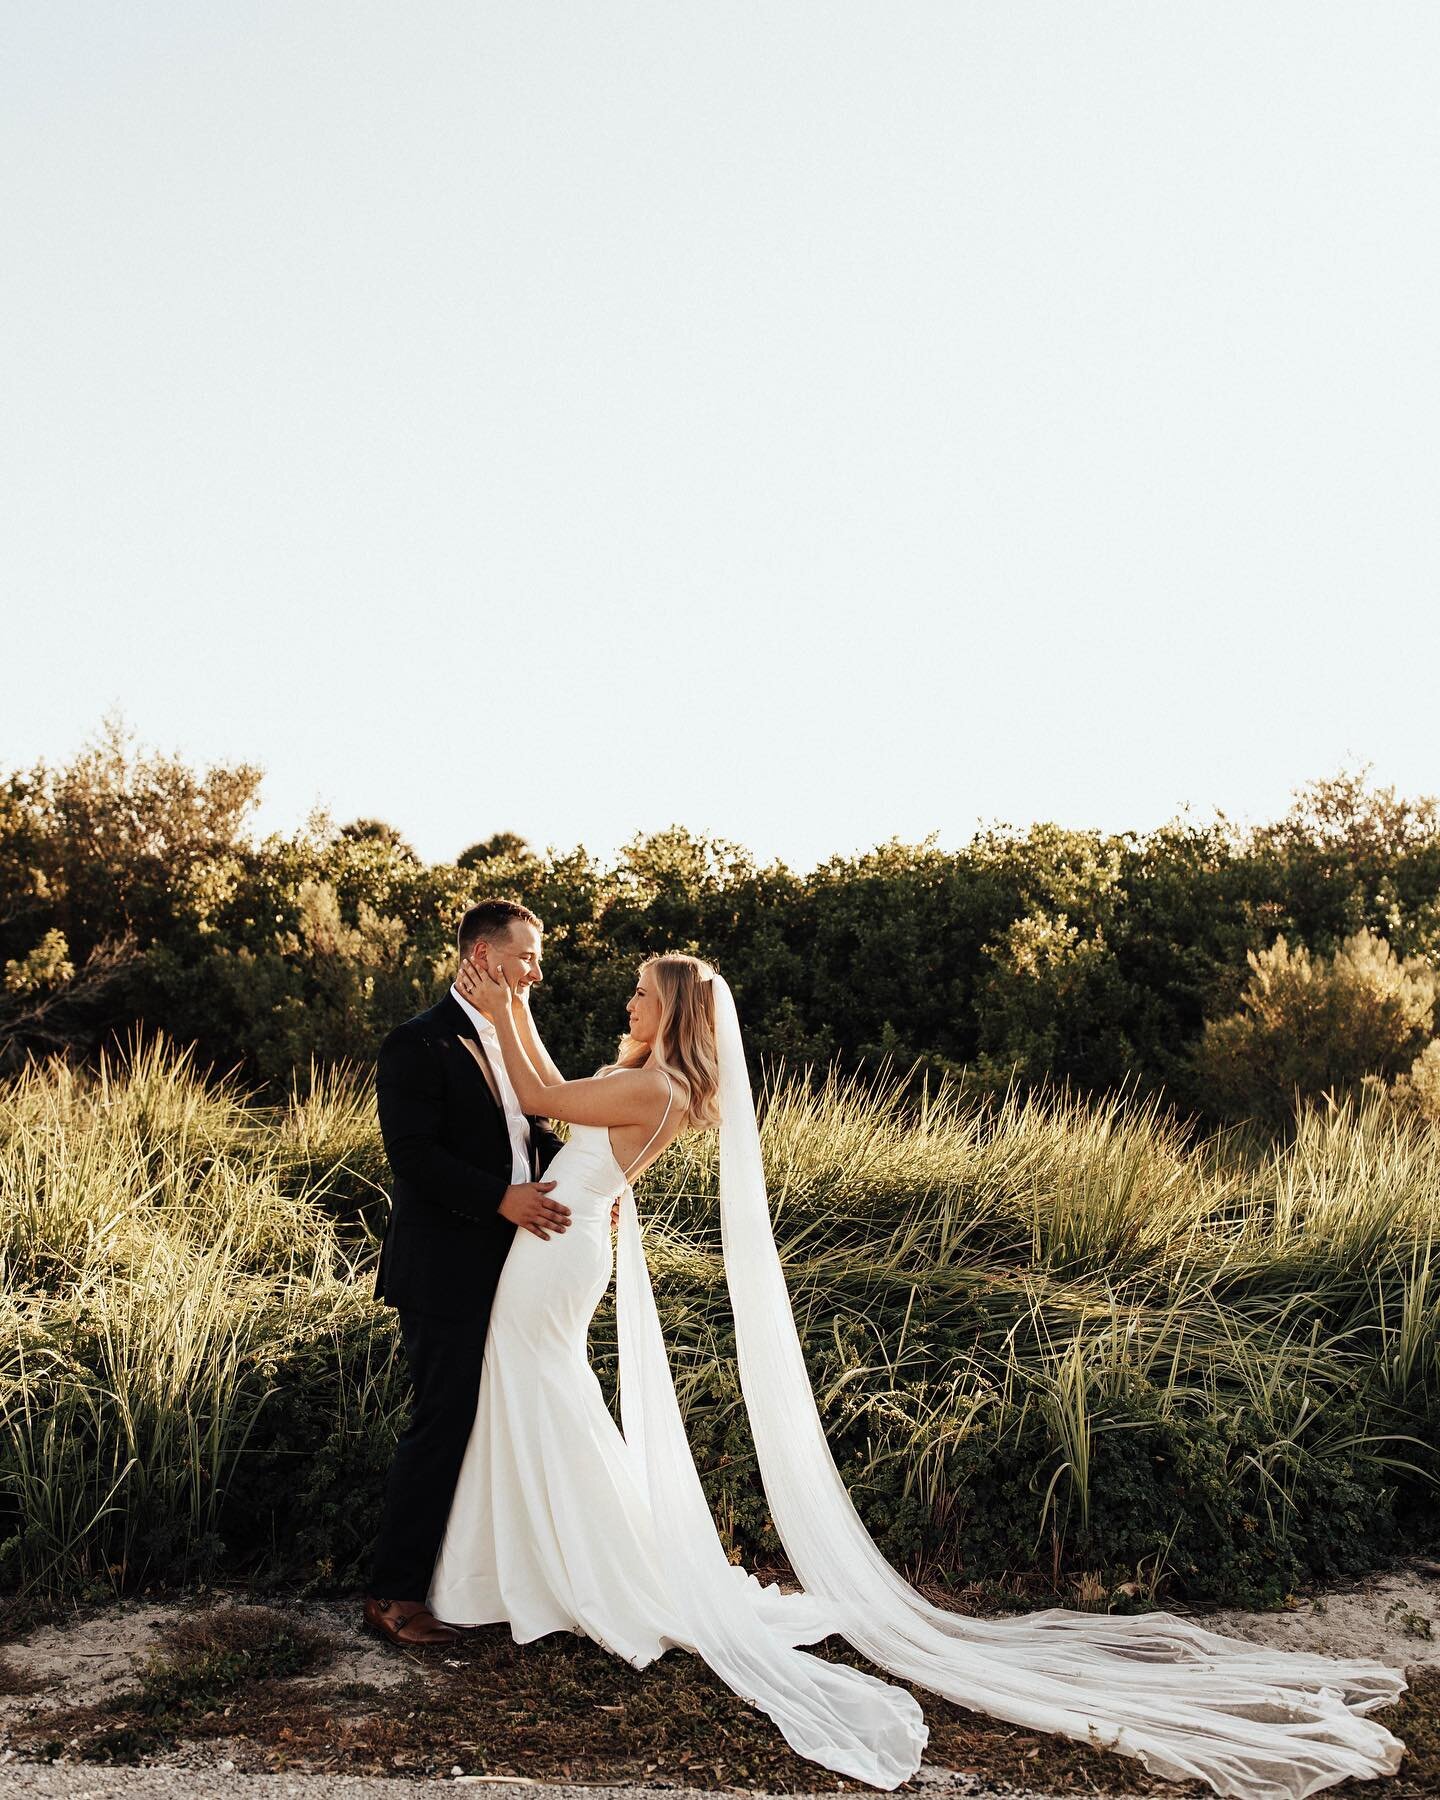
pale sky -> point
(808, 422)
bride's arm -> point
(530, 1042)
(628, 1097)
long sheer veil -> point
(1189, 1703)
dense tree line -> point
(132, 893)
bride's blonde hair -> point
(684, 1044)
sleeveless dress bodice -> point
(585, 1172)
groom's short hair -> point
(490, 919)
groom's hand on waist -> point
(528, 1204)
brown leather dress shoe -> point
(407, 1622)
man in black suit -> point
(466, 1164)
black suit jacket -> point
(449, 1151)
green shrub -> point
(1310, 1026)
(134, 896)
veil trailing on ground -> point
(1189, 1703)
(748, 1633)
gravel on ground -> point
(69, 1781)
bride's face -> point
(643, 1007)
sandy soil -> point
(1394, 1618)
(77, 1662)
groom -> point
(466, 1163)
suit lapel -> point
(454, 1022)
(451, 1016)
(483, 1064)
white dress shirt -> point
(516, 1122)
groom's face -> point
(515, 955)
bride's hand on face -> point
(487, 993)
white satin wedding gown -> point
(562, 1521)
(552, 1525)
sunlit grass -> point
(176, 1260)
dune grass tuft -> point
(1046, 1334)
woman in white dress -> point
(562, 1521)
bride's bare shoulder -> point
(651, 1088)
(645, 1080)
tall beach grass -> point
(1047, 1335)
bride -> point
(561, 1521)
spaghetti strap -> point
(669, 1096)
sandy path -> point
(1393, 1619)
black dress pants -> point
(444, 1358)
